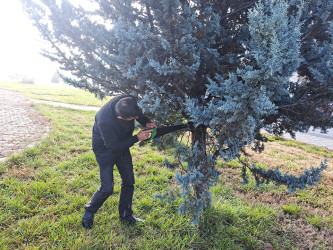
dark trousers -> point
(125, 168)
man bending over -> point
(111, 139)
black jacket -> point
(113, 136)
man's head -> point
(128, 109)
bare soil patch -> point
(317, 201)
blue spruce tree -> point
(222, 66)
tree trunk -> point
(199, 135)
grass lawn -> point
(44, 190)
(55, 92)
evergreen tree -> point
(223, 66)
(55, 77)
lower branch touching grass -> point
(309, 178)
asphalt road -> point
(316, 138)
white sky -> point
(20, 45)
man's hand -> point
(144, 134)
(151, 125)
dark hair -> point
(127, 107)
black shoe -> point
(131, 219)
(87, 219)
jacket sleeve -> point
(143, 120)
(110, 138)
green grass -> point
(316, 220)
(292, 209)
(55, 92)
(44, 190)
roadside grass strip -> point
(56, 92)
(44, 190)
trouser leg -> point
(106, 189)
(125, 168)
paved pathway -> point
(20, 124)
(68, 105)
(316, 138)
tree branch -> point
(238, 10)
(303, 101)
(150, 18)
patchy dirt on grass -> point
(317, 201)
(306, 236)
(291, 160)
(21, 173)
